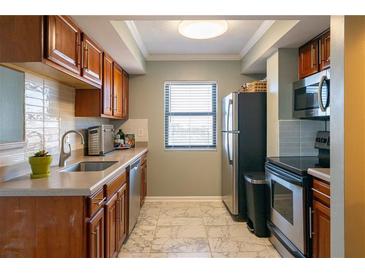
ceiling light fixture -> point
(202, 29)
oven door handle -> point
(283, 177)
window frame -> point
(166, 105)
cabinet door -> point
(125, 95)
(96, 235)
(107, 105)
(63, 42)
(92, 58)
(143, 182)
(308, 59)
(321, 230)
(117, 91)
(122, 214)
(112, 227)
(325, 51)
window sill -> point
(191, 149)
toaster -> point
(100, 139)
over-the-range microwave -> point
(311, 98)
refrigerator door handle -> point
(230, 161)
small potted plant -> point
(40, 163)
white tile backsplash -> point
(49, 112)
(297, 137)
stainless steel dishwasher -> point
(134, 193)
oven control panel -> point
(322, 140)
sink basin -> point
(89, 166)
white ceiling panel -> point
(161, 37)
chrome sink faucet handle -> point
(65, 155)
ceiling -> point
(162, 37)
(133, 40)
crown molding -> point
(137, 37)
(256, 36)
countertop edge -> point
(315, 172)
(21, 192)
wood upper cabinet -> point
(92, 60)
(308, 59)
(117, 91)
(112, 227)
(107, 104)
(63, 42)
(122, 211)
(96, 235)
(125, 95)
(321, 226)
(314, 56)
(325, 51)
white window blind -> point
(190, 115)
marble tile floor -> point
(192, 230)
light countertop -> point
(73, 183)
(321, 173)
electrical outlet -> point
(140, 132)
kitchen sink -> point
(89, 166)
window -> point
(190, 115)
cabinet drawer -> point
(115, 185)
(321, 191)
(95, 202)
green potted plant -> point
(40, 163)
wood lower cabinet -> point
(116, 209)
(321, 226)
(63, 42)
(143, 179)
(43, 227)
(122, 213)
(66, 227)
(112, 227)
(96, 235)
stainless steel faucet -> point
(65, 155)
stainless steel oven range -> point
(290, 220)
(289, 211)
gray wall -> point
(181, 173)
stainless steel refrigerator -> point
(243, 145)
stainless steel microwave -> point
(311, 98)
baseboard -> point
(183, 198)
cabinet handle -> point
(78, 51)
(310, 222)
(86, 54)
(312, 58)
(99, 202)
(325, 195)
